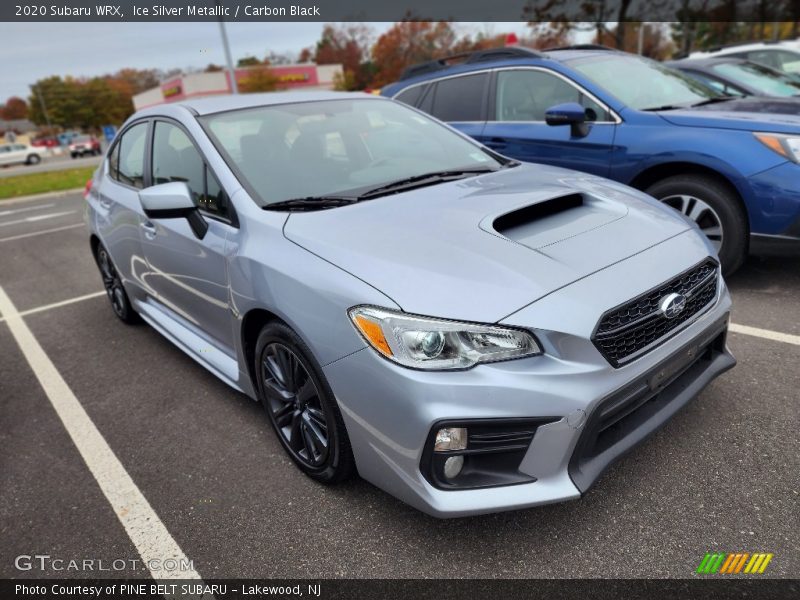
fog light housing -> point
(450, 438)
(453, 466)
(478, 453)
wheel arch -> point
(655, 173)
(253, 322)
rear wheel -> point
(120, 303)
(716, 210)
(301, 406)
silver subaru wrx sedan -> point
(466, 332)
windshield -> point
(644, 84)
(766, 81)
(81, 138)
(336, 147)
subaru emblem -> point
(672, 305)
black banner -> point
(384, 10)
(718, 587)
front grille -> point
(630, 330)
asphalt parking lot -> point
(723, 475)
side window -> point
(426, 105)
(526, 95)
(765, 57)
(410, 95)
(175, 158)
(126, 163)
(460, 98)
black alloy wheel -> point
(114, 289)
(300, 405)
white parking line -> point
(12, 211)
(38, 218)
(146, 531)
(767, 334)
(11, 238)
(38, 309)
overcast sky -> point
(31, 51)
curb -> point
(44, 196)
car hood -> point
(779, 115)
(481, 248)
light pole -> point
(227, 48)
(41, 103)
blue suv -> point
(731, 170)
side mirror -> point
(569, 113)
(173, 201)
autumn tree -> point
(248, 61)
(258, 80)
(656, 42)
(347, 45)
(14, 108)
(410, 42)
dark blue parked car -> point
(733, 171)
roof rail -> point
(583, 47)
(469, 58)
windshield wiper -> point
(665, 107)
(714, 100)
(311, 203)
(422, 180)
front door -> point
(517, 128)
(187, 274)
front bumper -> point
(390, 411)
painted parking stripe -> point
(38, 309)
(13, 211)
(767, 334)
(36, 218)
(42, 232)
(142, 524)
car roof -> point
(215, 104)
(558, 55)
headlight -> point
(787, 146)
(427, 343)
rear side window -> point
(126, 162)
(411, 95)
(460, 98)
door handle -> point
(105, 203)
(149, 229)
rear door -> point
(5, 154)
(460, 100)
(116, 205)
(187, 274)
(516, 125)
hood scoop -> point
(555, 219)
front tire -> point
(33, 159)
(301, 406)
(120, 303)
(716, 210)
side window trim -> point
(231, 219)
(615, 118)
(117, 141)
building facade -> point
(290, 77)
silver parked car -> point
(468, 333)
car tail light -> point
(88, 189)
